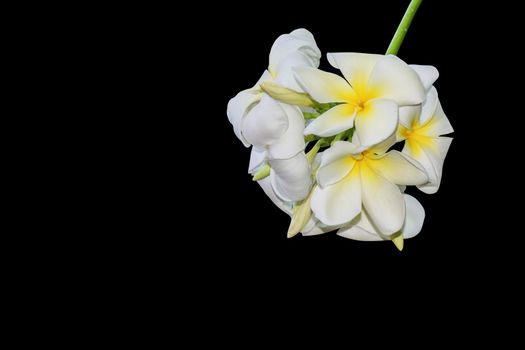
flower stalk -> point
(401, 31)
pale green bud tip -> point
(263, 172)
(398, 241)
(289, 96)
(292, 231)
(301, 214)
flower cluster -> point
(322, 144)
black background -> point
(161, 225)
(224, 226)
(176, 229)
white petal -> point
(257, 158)
(340, 149)
(376, 122)
(311, 50)
(415, 150)
(393, 79)
(324, 87)
(334, 172)
(264, 77)
(360, 229)
(356, 141)
(305, 35)
(285, 74)
(399, 169)
(268, 190)
(298, 41)
(415, 215)
(356, 67)
(315, 227)
(340, 202)
(302, 33)
(438, 124)
(291, 178)
(337, 162)
(432, 158)
(429, 107)
(265, 123)
(333, 121)
(237, 109)
(382, 147)
(383, 201)
(409, 115)
(357, 233)
(292, 141)
(427, 74)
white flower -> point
(350, 181)
(297, 49)
(421, 128)
(375, 86)
(276, 129)
(353, 179)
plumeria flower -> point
(276, 129)
(357, 187)
(297, 49)
(354, 179)
(421, 128)
(362, 228)
(375, 86)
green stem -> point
(308, 115)
(338, 137)
(401, 31)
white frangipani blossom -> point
(276, 129)
(297, 49)
(375, 86)
(422, 127)
(352, 178)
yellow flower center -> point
(360, 105)
(407, 133)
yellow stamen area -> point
(360, 167)
(417, 136)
